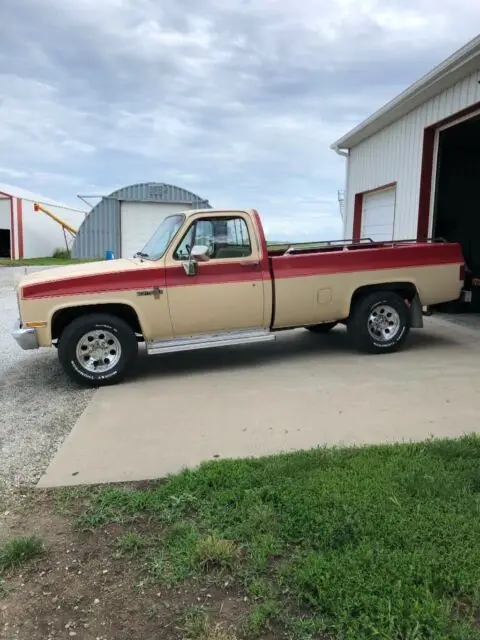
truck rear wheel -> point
(379, 323)
(97, 349)
(321, 328)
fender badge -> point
(156, 292)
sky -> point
(235, 100)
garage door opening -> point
(5, 243)
(457, 201)
(5, 221)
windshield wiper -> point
(139, 254)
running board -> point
(208, 340)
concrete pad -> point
(469, 322)
(300, 392)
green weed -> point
(172, 560)
(132, 543)
(213, 553)
(263, 616)
(19, 551)
(198, 626)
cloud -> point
(12, 173)
(235, 99)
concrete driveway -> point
(300, 392)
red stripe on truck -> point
(215, 273)
(98, 283)
(138, 279)
(364, 259)
(290, 266)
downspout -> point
(344, 153)
(341, 152)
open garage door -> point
(457, 198)
(5, 238)
(139, 220)
(378, 215)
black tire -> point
(112, 334)
(321, 328)
(393, 315)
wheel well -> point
(407, 290)
(64, 317)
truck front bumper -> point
(25, 337)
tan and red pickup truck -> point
(208, 279)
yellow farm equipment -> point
(66, 228)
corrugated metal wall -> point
(100, 232)
(395, 155)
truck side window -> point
(225, 238)
(198, 233)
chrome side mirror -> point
(190, 267)
(199, 253)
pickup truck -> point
(208, 279)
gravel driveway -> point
(38, 404)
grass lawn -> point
(41, 262)
(345, 544)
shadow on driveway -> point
(290, 347)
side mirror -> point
(199, 253)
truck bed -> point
(362, 256)
(318, 283)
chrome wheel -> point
(98, 351)
(383, 323)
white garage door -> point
(378, 215)
(4, 213)
(139, 221)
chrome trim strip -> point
(206, 341)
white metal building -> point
(413, 167)
(26, 233)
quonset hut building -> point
(123, 221)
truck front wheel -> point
(97, 349)
(379, 323)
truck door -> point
(227, 291)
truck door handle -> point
(250, 263)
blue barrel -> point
(108, 255)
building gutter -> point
(341, 152)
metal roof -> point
(157, 192)
(463, 62)
(23, 194)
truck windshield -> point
(160, 241)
